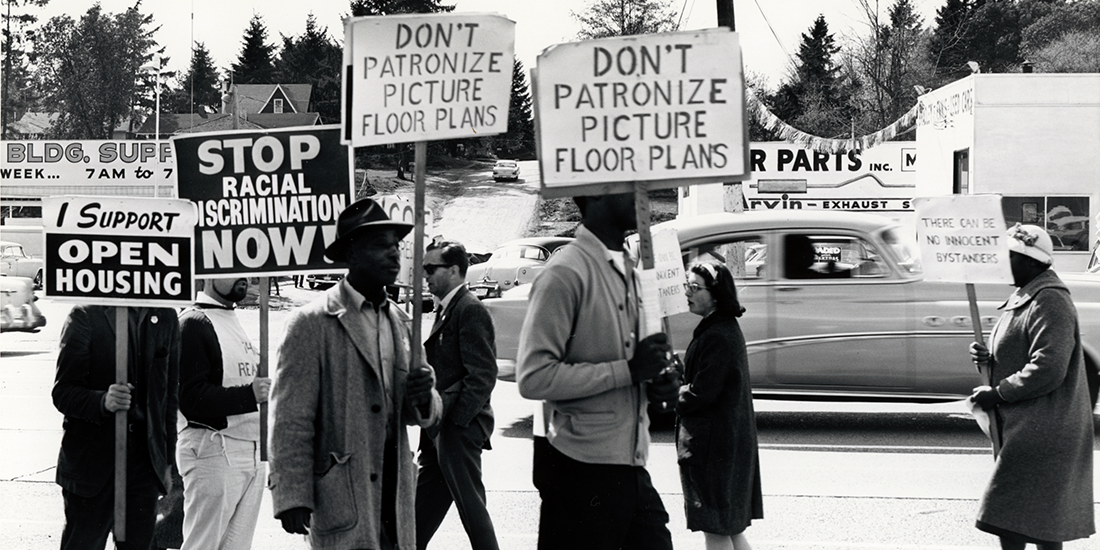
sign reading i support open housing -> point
(667, 109)
(115, 251)
(426, 77)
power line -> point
(777, 40)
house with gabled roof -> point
(258, 107)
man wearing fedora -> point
(341, 469)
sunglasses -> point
(430, 268)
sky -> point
(770, 30)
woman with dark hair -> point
(716, 426)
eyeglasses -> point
(692, 288)
(430, 268)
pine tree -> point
(314, 58)
(200, 87)
(391, 7)
(951, 37)
(607, 18)
(255, 64)
(519, 141)
(816, 99)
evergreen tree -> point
(314, 58)
(607, 18)
(255, 64)
(90, 70)
(816, 99)
(519, 141)
(200, 87)
(950, 43)
(391, 7)
(891, 61)
(17, 96)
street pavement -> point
(829, 482)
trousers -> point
(223, 483)
(89, 519)
(450, 471)
(596, 506)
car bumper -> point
(25, 318)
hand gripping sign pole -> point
(961, 239)
(261, 369)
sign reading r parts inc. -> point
(112, 251)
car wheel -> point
(38, 280)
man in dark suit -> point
(86, 393)
(461, 350)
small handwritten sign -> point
(662, 290)
(962, 239)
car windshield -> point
(524, 252)
(13, 252)
(904, 249)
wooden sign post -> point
(122, 356)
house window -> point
(279, 106)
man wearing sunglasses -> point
(461, 349)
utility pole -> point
(733, 197)
(7, 74)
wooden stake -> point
(261, 371)
(122, 355)
(420, 159)
(987, 372)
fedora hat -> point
(362, 216)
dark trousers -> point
(450, 471)
(88, 519)
(596, 506)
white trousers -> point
(223, 483)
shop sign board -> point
(41, 168)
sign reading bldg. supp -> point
(113, 251)
(431, 76)
(267, 200)
(663, 108)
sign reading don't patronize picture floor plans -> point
(119, 251)
(666, 109)
(267, 200)
(426, 77)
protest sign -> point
(662, 291)
(400, 209)
(116, 251)
(664, 108)
(427, 76)
(267, 200)
(43, 168)
(962, 239)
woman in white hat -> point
(1041, 488)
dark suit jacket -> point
(462, 350)
(86, 368)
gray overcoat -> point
(328, 430)
(1042, 482)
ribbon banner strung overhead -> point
(790, 134)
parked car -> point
(506, 170)
(858, 323)
(512, 263)
(321, 281)
(15, 262)
(402, 294)
(17, 308)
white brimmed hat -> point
(1031, 240)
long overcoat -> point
(1042, 482)
(328, 426)
(716, 431)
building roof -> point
(251, 98)
(33, 123)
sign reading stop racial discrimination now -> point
(114, 251)
(426, 77)
(667, 109)
(962, 239)
(267, 200)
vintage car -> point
(851, 319)
(512, 263)
(15, 262)
(17, 308)
(506, 170)
(321, 281)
